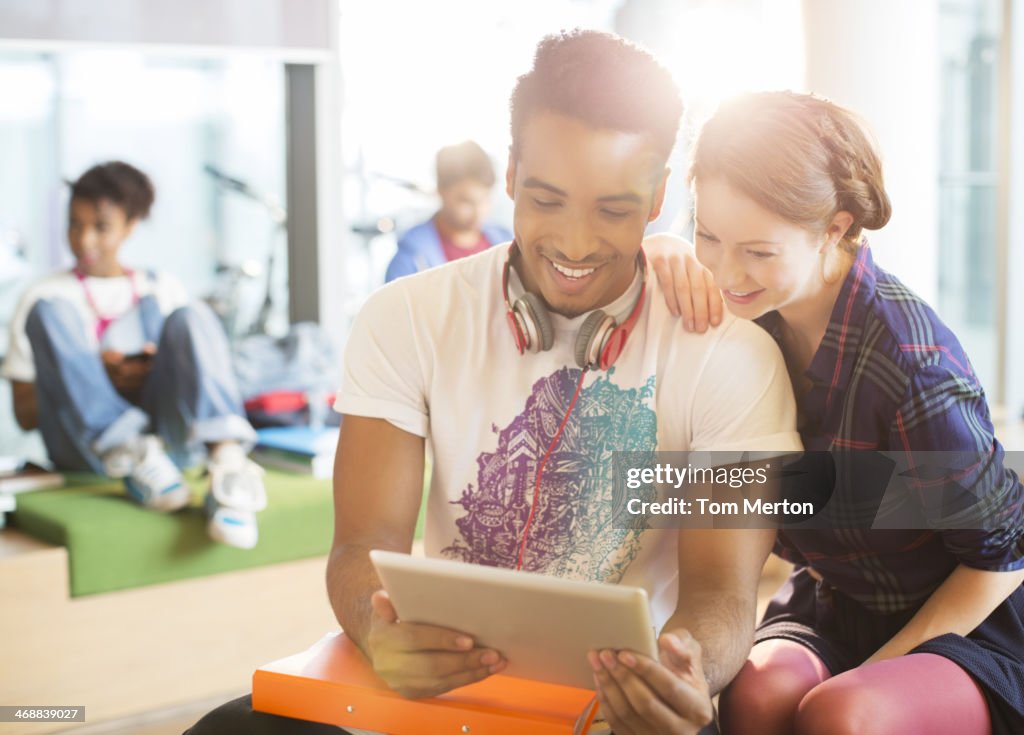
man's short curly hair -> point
(603, 81)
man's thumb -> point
(382, 607)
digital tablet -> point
(543, 626)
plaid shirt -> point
(889, 375)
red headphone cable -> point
(540, 471)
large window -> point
(970, 33)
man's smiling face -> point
(583, 197)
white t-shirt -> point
(114, 297)
(432, 354)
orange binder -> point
(333, 683)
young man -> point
(522, 438)
(465, 180)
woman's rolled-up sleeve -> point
(943, 421)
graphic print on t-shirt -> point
(574, 532)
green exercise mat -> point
(115, 544)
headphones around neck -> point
(600, 340)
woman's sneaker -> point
(236, 495)
(150, 477)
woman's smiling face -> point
(760, 261)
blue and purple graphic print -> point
(574, 532)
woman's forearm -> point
(959, 605)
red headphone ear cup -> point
(532, 311)
(517, 332)
(614, 344)
(590, 339)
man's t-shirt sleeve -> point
(743, 398)
(384, 374)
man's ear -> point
(510, 175)
(659, 196)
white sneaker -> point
(121, 460)
(236, 495)
(150, 477)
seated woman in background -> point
(876, 631)
(105, 359)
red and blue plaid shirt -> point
(890, 376)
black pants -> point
(237, 718)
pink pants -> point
(784, 688)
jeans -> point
(190, 396)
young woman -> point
(103, 358)
(877, 630)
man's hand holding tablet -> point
(645, 696)
(418, 660)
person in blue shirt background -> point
(465, 181)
